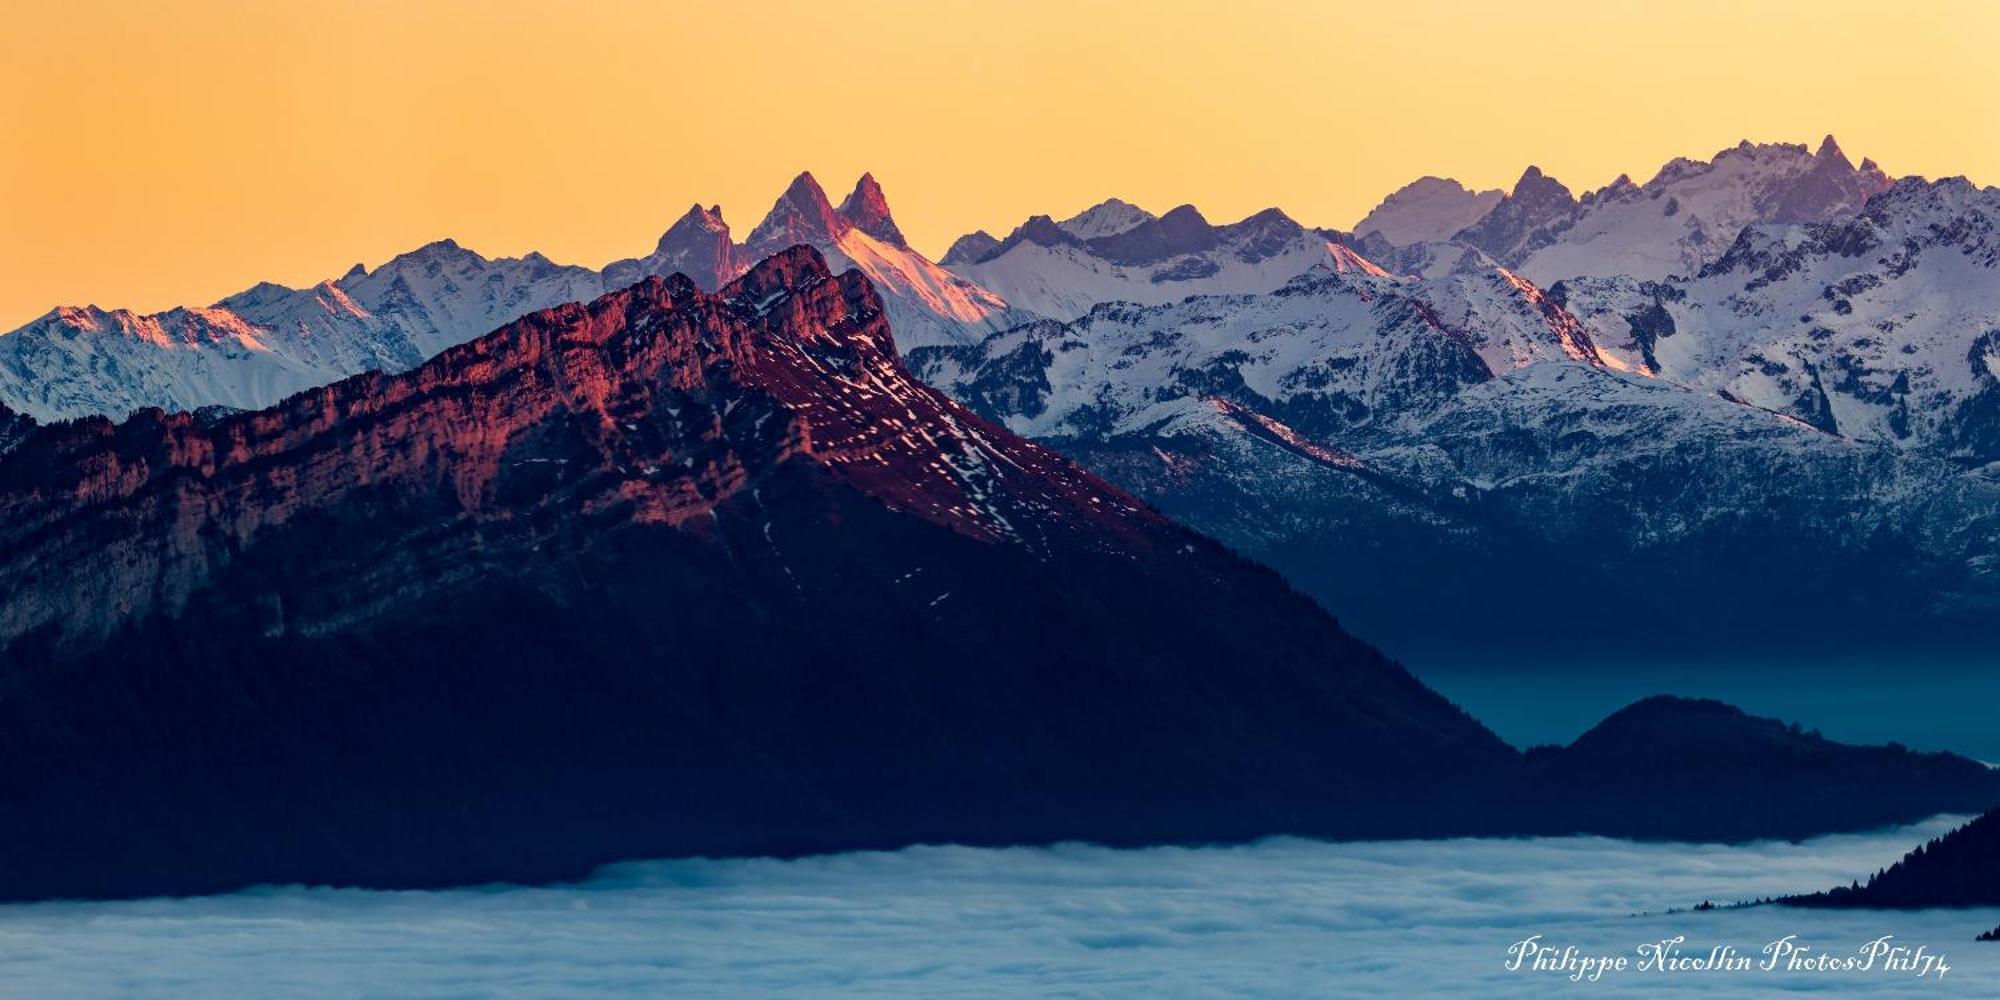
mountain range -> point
(1116, 252)
(1480, 401)
(1685, 217)
(255, 348)
(677, 572)
(1465, 439)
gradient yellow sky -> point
(159, 153)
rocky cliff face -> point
(667, 573)
(868, 208)
(697, 245)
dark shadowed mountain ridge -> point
(669, 573)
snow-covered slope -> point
(269, 341)
(1348, 348)
(1048, 268)
(1456, 464)
(1883, 326)
(1685, 217)
(257, 347)
(1427, 210)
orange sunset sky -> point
(156, 153)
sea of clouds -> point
(1280, 918)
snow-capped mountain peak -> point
(1681, 219)
(1427, 210)
(1106, 218)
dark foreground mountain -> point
(1961, 868)
(671, 573)
(681, 573)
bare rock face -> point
(668, 573)
(697, 245)
(868, 209)
(1529, 217)
(802, 215)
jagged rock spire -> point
(869, 211)
(801, 215)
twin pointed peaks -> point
(700, 243)
(804, 215)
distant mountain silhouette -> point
(1681, 768)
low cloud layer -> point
(1280, 918)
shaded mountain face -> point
(1961, 868)
(697, 246)
(1530, 217)
(1426, 210)
(970, 247)
(255, 348)
(668, 573)
(1116, 252)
